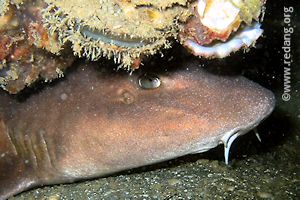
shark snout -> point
(264, 107)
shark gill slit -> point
(45, 150)
(11, 140)
(33, 154)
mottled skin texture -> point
(95, 122)
(25, 49)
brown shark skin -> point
(95, 123)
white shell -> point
(227, 14)
(245, 38)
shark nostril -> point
(149, 81)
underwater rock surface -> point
(26, 49)
(40, 39)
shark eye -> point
(149, 81)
